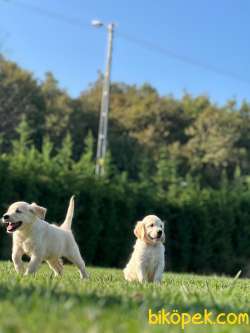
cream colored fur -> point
(41, 240)
(147, 261)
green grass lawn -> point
(106, 303)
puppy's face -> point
(21, 214)
(150, 230)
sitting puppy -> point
(41, 240)
(147, 261)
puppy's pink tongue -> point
(10, 226)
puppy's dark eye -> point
(151, 225)
(18, 211)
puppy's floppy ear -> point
(38, 210)
(139, 230)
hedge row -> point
(207, 232)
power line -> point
(172, 54)
(78, 22)
(74, 21)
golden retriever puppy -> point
(147, 261)
(40, 240)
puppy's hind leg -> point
(75, 258)
(56, 265)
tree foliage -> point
(185, 159)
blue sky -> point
(212, 32)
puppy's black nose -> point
(6, 217)
(159, 233)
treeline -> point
(147, 132)
(186, 160)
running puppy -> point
(147, 261)
(40, 240)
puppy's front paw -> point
(20, 269)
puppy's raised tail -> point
(69, 217)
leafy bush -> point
(207, 230)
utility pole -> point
(103, 121)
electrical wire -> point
(78, 22)
(184, 59)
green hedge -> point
(207, 231)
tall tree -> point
(19, 95)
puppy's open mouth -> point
(13, 226)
